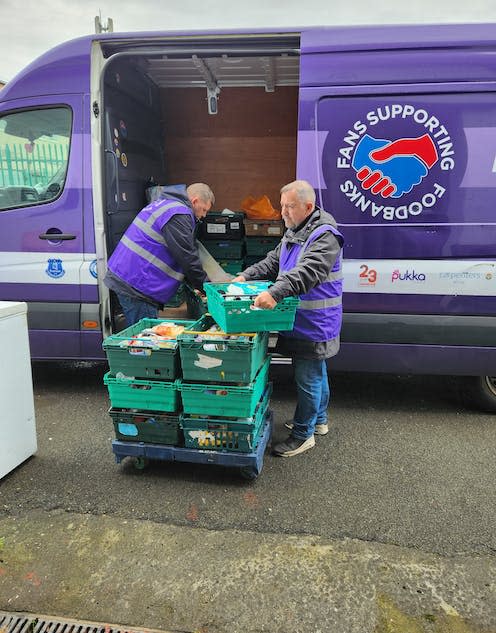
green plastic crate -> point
(225, 249)
(197, 306)
(232, 266)
(224, 400)
(151, 395)
(235, 360)
(154, 427)
(260, 246)
(235, 313)
(226, 434)
(154, 363)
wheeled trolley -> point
(249, 465)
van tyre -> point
(481, 392)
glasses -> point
(289, 207)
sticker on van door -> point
(381, 169)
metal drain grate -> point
(25, 623)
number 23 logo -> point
(368, 274)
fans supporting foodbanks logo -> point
(382, 168)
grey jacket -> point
(312, 269)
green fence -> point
(28, 167)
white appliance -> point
(17, 421)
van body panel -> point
(393, 126)
(62, 70)
(414, 359)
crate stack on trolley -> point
(201, 391)
(142, 381)
(222, 234)
(237, 242)
(261, 236)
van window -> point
(34, 151)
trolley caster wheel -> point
(140, 463)
(248, 473)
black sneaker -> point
(293, 446)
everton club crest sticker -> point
(55, 268)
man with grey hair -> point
(159, 250)
(307, 264)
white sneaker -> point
(320, 429)
(293, 446)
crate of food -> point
(147, 349)
(229, 434)
(231, 305)
(154, 427)
(219, 399)
(264, 228)
(220, 226)
(225, 249)
(209, 354)
(232, 266)
(148, 395)
(260, 246)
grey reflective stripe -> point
(318, 304)
(152, 259)
(156, 214)
(156, 237)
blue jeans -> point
(313, 392)
(135, 309)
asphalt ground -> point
(404, 463)
(386, 526)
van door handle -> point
(56, 237)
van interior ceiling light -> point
(211, 82)
(212, 100)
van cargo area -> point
(223, 117)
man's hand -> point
(238, 278)
(265, 300)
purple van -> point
(394, 127)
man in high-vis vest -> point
(158, 251)
(307, 264)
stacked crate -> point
(224, 390)
(261, 236)
(143, 382)
(222, 235)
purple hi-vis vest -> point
(320, 311)
(142, 259)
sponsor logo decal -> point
(55, 268)
(397, 275)
(367, 275)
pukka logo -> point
(406, 276)
(383, 168)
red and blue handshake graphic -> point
(393, 168)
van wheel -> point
(481, 391)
